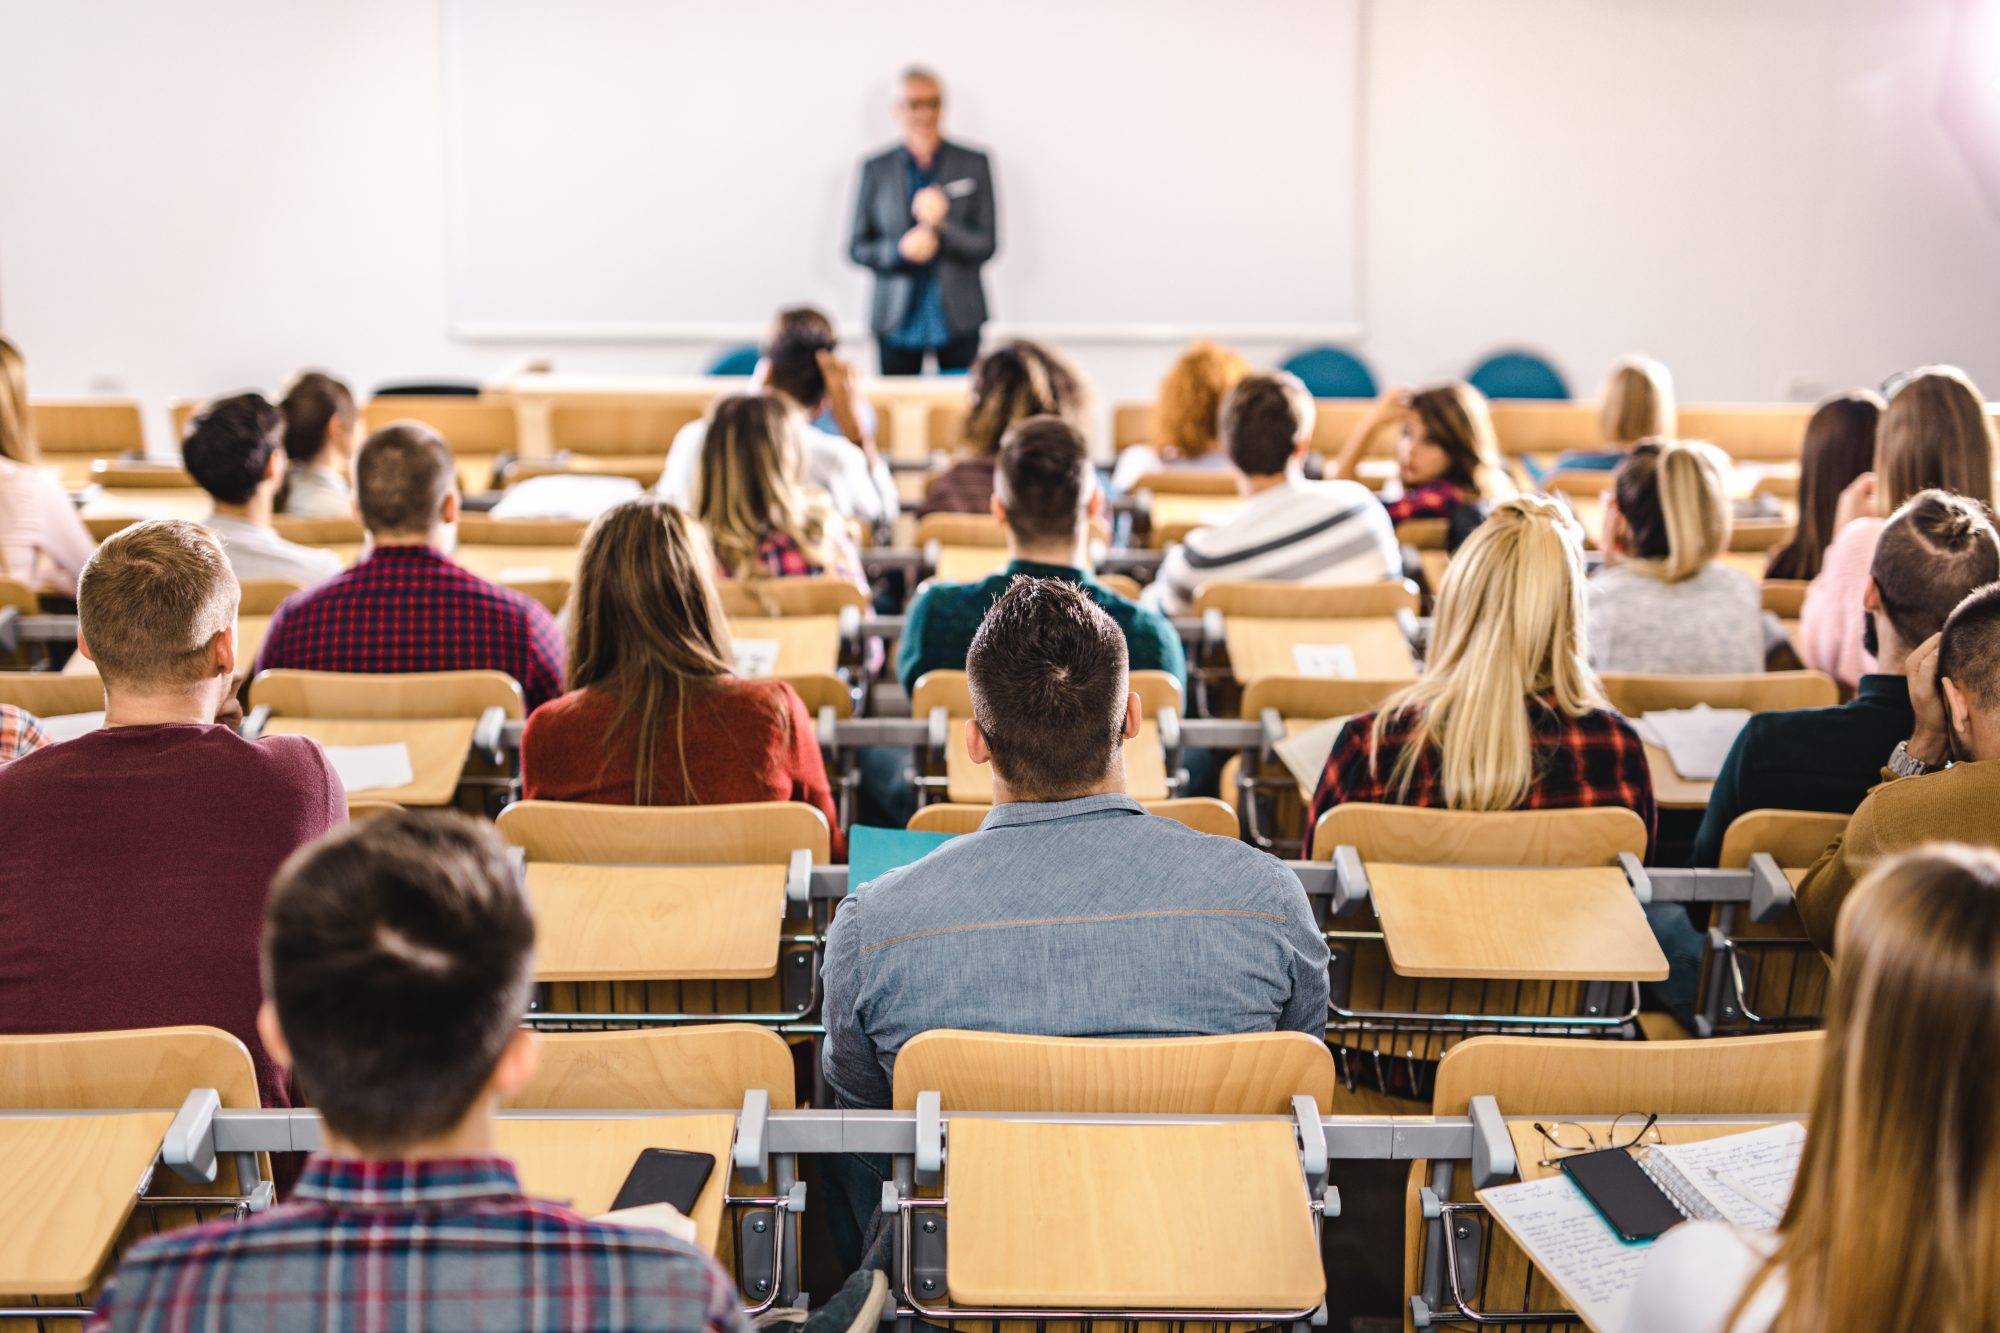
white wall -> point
(204, 195)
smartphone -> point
(1618, 1188)
(663, 1175)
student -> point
(1447, 460)
(138, 855)
(1934, 552)
(655, 715)
(42, 541)
(1046, 497)
(1287, 528)
(1943, 783)
(406, 606)
(1891, 1222)
(320, 438)
(1839, 446)
(1011, 383)
(1663, 603)
(234, 449)
(800, 366)
(398, 958)
(20, 733)
(1933, 433)
(1636, 403)
(759, 517)
(1185, 416)
(1102, 904)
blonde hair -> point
(17, 426)
(1189, 410)
(1509, 625)
(1935, 433)
(150, 601)
(1674, 498)
(749, 488)
(1894, 1221)
(1453, 416)
(1637, 401)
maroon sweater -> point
(134, 862)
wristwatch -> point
(1906, 765)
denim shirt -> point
(1083, 918)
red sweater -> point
(137, 861)
(739, 748)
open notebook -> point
(1740, 1178)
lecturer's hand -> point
(930, 206)
(919, 245)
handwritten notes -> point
(1570, 1242)
(756, 658)
(1324, 661)
(1743, 1178)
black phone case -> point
(1623, 1194)
(664, 1175)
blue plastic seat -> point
(736, 361)
(1518, 375)
(1332, 372)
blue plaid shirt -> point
(444, 1245)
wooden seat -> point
(1785, 598)
(19, 596)
(1634, 695)
(972, 784)
(631, 424)
(981, 530)
(818, 689)
(261, 597)
(470, 425)
(708, 1067)
(1272, 599)
(140, 474)
(1590, 836)
(386, 695)
(819, 595)
(1766, 975)
(1203, 814)
(47, 694)
(745, 834)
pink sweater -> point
(1830, 621)
(42, 541)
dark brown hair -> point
(1453, 416)
(1839, 446)
(1043, 479)
(399, 954)
(1969, 652)
(229, 443)
(1048, 678)
(1934, 433)
(401, 478)
(1932, 553)
(1263, 419)
(314, 402)
(791, 357)
(1014, 381)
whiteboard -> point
(647, 169)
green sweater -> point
(944, 617)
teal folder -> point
(873, 852)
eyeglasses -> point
(923, 103)
(1566, 1138)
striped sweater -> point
(1300, 532)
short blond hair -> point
(1637, 402)
(151, 599)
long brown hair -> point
(1013, 382)
(1453, 416)
(1894, 1221)
(1839, 446)
(1637, 401)
(1934, 433)
(751, 468)
(646, 627)
(17, 427)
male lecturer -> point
(924, 221)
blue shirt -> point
(924, 325)
(1083, 918)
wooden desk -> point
(655, 923)
(585, 1161)
(70, 1185)
(1530, 1148)
(807, 645)
(192, 504)
(1261, 648)
(1173, 516)
(967, 783)
(970, 564)
(438, 749)
(1670, 790)
(521, 564)
(1542, 924)
(1184, 1217)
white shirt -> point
(1694, 1277)
(1137, 461)
(835, 465)
(316, 492)
(259, 553)
(1298, 532)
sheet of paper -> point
(756, 658)
(1747, 1177)
(1324, 661)
(1304, 755)
(371, 767)
(68, 726)
(1572, 1245)
(565, 495)
(657, 1216)
(1697, 739)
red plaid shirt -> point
(409, 608)
(1596, 759)
(442, 1245)
(20, 733)
(780, 556)
(1433, 499)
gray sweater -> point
(1709, 625)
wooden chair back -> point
(261, 596)
(387, 695)
(1524, 427)
(19, 596)
(478, 426)
(1278, 600)
(486, 530)
(1760, 692)
(132, 1069)
(644, 469)
(1123, 584)
(1189, 481)
(360, 810)
(960, 530)
(1785, 598)
(320, 531)
(1794, 838)
(1747, 432)
(944, 426)
(1589, 836)
(101, 427)
(708, 1067)
(950, 691)
(1760, 534)
(819, 691)
(641, 424)
(1303, 698)
(101, 526)
(819, 595)
(1765, 1075)
(752, 833)
(48, 694)
(1133, 423)
(1203, 814)
(1425, 534)
(141, 475)
(1255, 1074)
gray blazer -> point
(967, 240)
